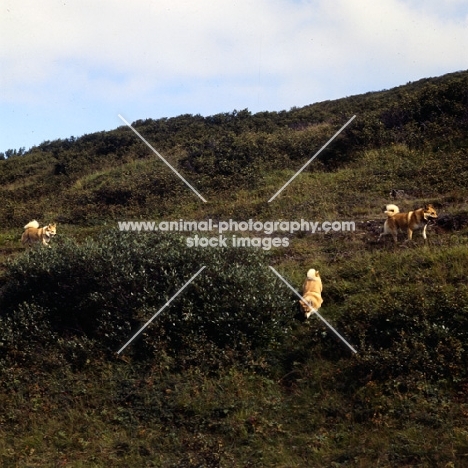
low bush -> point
(411, 335)
(105, 290)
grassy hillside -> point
(228, 374)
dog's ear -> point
(317, 274)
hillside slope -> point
(228, 375)
(113, 174)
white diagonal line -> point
(162, 159)
(160, 310)
(315, 312)
(311, 159)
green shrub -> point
(412, 334)
(229, 161)
(105, 290)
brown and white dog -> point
(408, 222)
(33, 233)
(311, 293)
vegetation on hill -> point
(113, 174)
(228, 374)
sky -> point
(68, 68)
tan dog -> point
(33, 233)
(408, 222)
(312, 293)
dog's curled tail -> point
(311, 274)
(391, 210)
(32, 224)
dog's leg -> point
(311, 311)
(424, 233)
(25, 240)
(384, 232)
(308, 314)
(410, 235)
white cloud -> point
(183, 39)
(207, 55)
